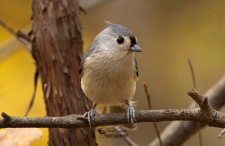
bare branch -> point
(179, 131)
(213, 118)
(78, 121)
(203, 103)
(19, 35)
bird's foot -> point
(90, 114)
(131, 114)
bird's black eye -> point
(120, 40)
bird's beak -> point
(135, 48)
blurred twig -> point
(82, 9)
(8, 28)
(195, 87)
(34, 93)
(150, 108)
(19, 35)
(177, 132)
(129, 141)
(221, 133)
(25, 40)
(192, 73)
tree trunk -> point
(57, 47)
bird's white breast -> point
(107, 80)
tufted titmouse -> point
(109, 69)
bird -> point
(109, 70)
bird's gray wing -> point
(136, 67)
(85, 56)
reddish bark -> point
(57, 47)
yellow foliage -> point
(16, 87)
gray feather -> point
(108, 66)
(119, 29)
(88, 53)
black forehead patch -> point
(119, 29)
(133, 41)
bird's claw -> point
(90, 116)
(131, 114)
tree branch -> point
(205, 114)
(19, 35)
(77, 121)
(178, 132)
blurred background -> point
(169, 33)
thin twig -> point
(221, 133)
(8, 28)
(82, 10)
(195, 86)
(148, 96)
(34, 93)
(129, 141)
(177, 132)
(192, 73)
(150, 108)
(21, 37)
